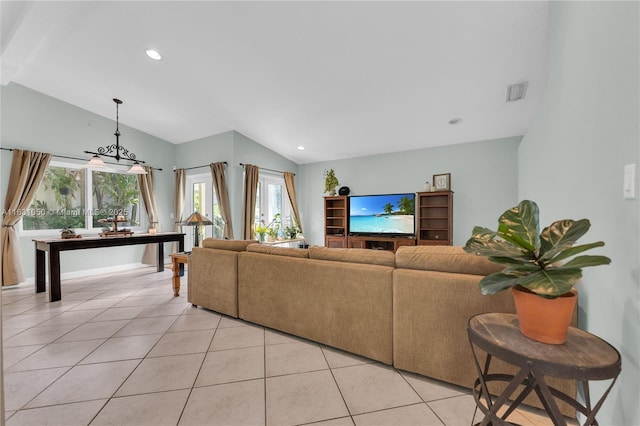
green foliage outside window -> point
(60, 201)
(115, 194)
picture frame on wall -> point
(442, 182)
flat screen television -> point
(382, 215)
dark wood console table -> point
(54, 247)
(583, 357)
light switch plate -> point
(629, 186)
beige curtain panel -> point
(251, 175)
(289, 182)
(146, 183)
(180, 180)
(26, 175)
(220, 186)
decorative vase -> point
(67, 233)
(332, 192)
(544, 320)
(261, 237)
(427, 187)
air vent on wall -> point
(515, 92)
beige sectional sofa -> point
(341, 298)
(408, 309)
(435, 292)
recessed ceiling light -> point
(301, 148)
(455, 121)
(153, 54)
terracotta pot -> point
(544, 320)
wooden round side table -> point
(583, 357)
(178, 260)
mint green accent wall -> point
(571, 163)
(483, 179)
(202, 152)
(234, 148)
(250, 152)
(34, 121)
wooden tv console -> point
(434, 218)
(379, 243)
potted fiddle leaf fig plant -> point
(537, 268)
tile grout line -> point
(204, 359)
(335, 381)
(422, 399)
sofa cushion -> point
(233, 245)
(444, 259)
(353, 255)
(278, 251)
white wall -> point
(571, 163)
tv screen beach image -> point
(382, 214)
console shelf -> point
(379, 243)
(435, 218)
(336, 216)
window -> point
(201, 198)
(272, 200)
(72, 196)
(115, 194)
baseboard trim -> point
(94, 271)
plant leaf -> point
(584, 261)
(518, 262)
(496, 282)
(520, 226)
(484, 242)
(524, 268)
(564, 254)
(552, 282)
(561, 235)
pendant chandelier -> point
(121, 153)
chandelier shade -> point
(137, 169)
(96, 162)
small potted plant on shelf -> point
(291, 231)
(330, 182)
(272, 233)
(541, 285)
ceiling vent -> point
(515, 92)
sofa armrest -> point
(213, 280)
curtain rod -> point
(74, 158)
(196, 167)
(264, 168)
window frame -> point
(88, 207)
(207, 179)
(262, 194)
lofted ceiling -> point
(342, 79)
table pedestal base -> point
(583, 358)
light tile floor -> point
(119, 349)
